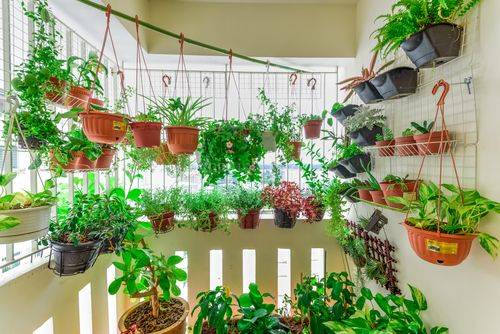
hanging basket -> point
(146, 134)
(73, 163)
(55, 92)
(249, 221)
(182, 139)
(439, 248)
(34, 224)
(106, 159)
(78, 97)
(103, 127)
(85, 163)
(396, 83)
(95, 102)
(68, 259)
(312, 129)
(163, 223)
(269, 141)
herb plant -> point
(178, 112)
(244, 200)
(156, 202)
(387, 135)
(206, 208)
(366, 117)
(214, 308)
(409, 132)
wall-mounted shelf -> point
(379, 205)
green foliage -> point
(257, 316)
(336, 107)
(87, 72)
(460, 212)
(76, 141)
(154, 203)
(408, 17)
(386, 135)
(365, 117)
(215, 309)
(178, 112)
(372, 180)
(200, 206)
(244, 200)
(304, 118)
(409, 132)
(423, 128)
(334, 199)
(231, 147)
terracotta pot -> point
(297, 145)
(179, 327)
(146, 134)
(439, 248)
(213, 220)
(93, 101)
(85, 163)
(365, 195)
(269, 141)
(378, 197)
(73, 164)
(385, 147)
(78, 97)
(312, 129)
(106, 159)
(433, 143)
(55, 91)
(103, 127)
(391, 189)
(406, 146)
(182, 139)
(165, 157)
(164, 222)
(250, 220)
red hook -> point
(446, 87)
(166, 80)
(181, 41)
(293, 78)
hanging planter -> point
(106, 158)
(283, 220)
(297, 146)
(433, 46)
(435, 142)
(358, 163)
(85, 163)
(182, 139)
(78, 97)
(439, 248)
(365, 136)
(396, 83)
(164, 222)
(165, 157)
(312, 129)
(345, 112)
(73, 163)
(55, 92)
(146, 134)
(34, 223)
(103, 127)
(68, 259)
(405, 188)
(367, 92)
(365, 195)
(406, 146)
(269, 141)
(342, 172)
(378, 197)
(250, 220)
(95, 103)
(385, 147)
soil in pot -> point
(55, 91)
(106, 159)
(436, 142)
(342, 172)
(269, 141)
(146, 134)
(171, 318)
(433, 46)
(365, 195)
(368, 93)
(250, 220)
(342, 114)
(69, 259)
(78, 97)
(439, 248)
(378, 197)
(366, 137)
(312, 129)
(297, 147)
(391, 189)
(385, 148)
(406, 146)
(396, 83)
(103, 127)
(163, 223)
(358, 163)
(182, 139)
(283, 220)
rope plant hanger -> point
(313, 122)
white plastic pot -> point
(34, 224)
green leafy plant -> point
(87, 72)
(366, 117)
(157, 202)
(460, 212)
(387, 135)
(372, 182)
(394, 180)
(231, 147)
(408, 17)
(214, 309)
(178, 112)
(409, 132)
(305, 118)
(243, 200)
(336, 107)
(206, 210)
(423, 128)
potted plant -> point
(385, 142)
(247, 203)
(146, 129)
(364, 191)
(85, 82)
(445, 223)
(396, 83)
(106, 158)
(375, 190)
(426, 30)
(364, 125)
(395, 186)
(405, 145)
(27, 215)
(102, 126)
(206, 210)
(341, 112)
(353, 158)
(312, 125)
(215, 312)
(286, 200)
(160, 206)
(340, 170)
(230, 147)
(349, 190)
(430, 142)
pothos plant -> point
(215, 309)
(231, 147)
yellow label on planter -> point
(441, 247)
(118, 126)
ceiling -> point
(306, 2)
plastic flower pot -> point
(433, 46)
(365, 195)
(283, 220)
(250, 220)
(85, 163)
(93, 101)
(164, 222)
(269, 141)
(391, 189)
(320, 214)
(439, 248)
(342, 172)
(358, 163)
(405, 146)
(103, 127)
(34, 224)
(396, 83)
(365, 136)
(178, 327)
(55, 93)
(297, 146)
(368, 93)
(78, 97)
(182, 139)
(146, 134)
(312, 129)
(73, 164)
(385, 147)
(436, 142)
(378, 197)
(68, 259)
(164, 156)
(32, 143)
(106, 159)
(342, 114)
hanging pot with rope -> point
(103, 127)
(146, 134)
(182, 139)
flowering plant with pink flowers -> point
(286, 196)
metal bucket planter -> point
(368, 93)
(34, 224)
(396, 83)
(68, 259)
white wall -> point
(464, 298)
